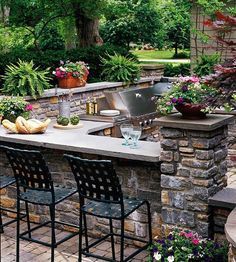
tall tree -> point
(129, 21)
(175, 15)
(36, 15)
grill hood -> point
(132, 102)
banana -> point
(10, 126)
(23, 126)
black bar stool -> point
(34, 185)
(98, 183)
(6, 181)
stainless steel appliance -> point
(136, 105)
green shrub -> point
(181, 55)
(51, 58)
(177, 70)
(120, 68)
(205, 65)
(25, 79)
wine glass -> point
(125, 131)
(135, 134)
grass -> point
(155, 54)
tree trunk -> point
(87, 29)
(176, 48)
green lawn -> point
(155, 54)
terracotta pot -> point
(72, 82)
(191, 111)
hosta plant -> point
(25, 79)
(120, 68)
(187, 246)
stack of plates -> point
(109, 112)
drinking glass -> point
(125, 131)
(135, 134)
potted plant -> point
(12, 107)
(188, 95)
(25, 79)
(71, 74)
(187, 246)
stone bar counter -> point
(138, 170)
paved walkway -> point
(182, 61)
(65, 252)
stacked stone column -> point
(193, 168)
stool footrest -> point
(84, 252)
(70, 235)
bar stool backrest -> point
(96, 179)
(30, 169)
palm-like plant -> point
(120, 68)
(25, 79)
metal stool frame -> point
(6, 181)
(32, 176)
(98, 182)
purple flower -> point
(180, 100)
(174, 100)
(184, 88)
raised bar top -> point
(80, 140)
(211, 122)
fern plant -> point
(205, 65)
(120, 68)
(25, 79)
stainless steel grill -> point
(136, 105)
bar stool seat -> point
(6, 181)
(45, 198)
(109, 210)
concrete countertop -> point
(80, 140)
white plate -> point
(68, 126)
(109, 112)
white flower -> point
(171, 259)
(157, 256)
(62, 69)
(190, 256)
(184, 248)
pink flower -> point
(29, 107)
(191, 79)
(189, 235)
(195, 241)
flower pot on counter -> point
(72, 82)
(191, 111)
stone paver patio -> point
(67, 251)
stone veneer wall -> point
(138, 179)
(193, 169)
(47, 105)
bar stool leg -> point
(28, 218)
(1, 226)
(149, 222)
(18, 230)
(112, 240)
(122, 240)
(86, 233)
(53, 238)
(80, 234)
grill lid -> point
(132, 102)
